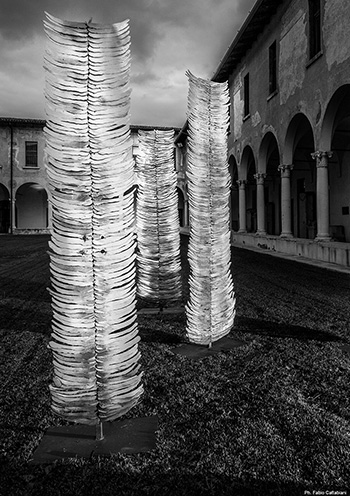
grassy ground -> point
(269, 418)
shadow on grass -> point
(98, 477)
(159, 336)
(281, 330)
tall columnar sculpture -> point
(157, 220)
(89, 163)
(211, 306)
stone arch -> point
(337, 108)
(234, 194)
(299, 145)
(268, 149)
(5, 209)
(247, 172)
(335, 137)
(247, 162)
(31, 206)
(269, 160)
(295, 132)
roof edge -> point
(235, 40)
(22, 121)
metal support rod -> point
(99, 431)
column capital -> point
(321, 157)
(241, 183)
(322, 194)
(260, 177)
(285, 169)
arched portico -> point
(234, 194)
(247, 183)
(334, 148)
(4, 209)
(299, 170)
(31, 207)
(268, 162)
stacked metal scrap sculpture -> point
(211, 306)
(92, 248)
(157, 220)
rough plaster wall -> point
(23, 135)
(15, 152)
(293, 55)
(256, 119)
(23, 174)
(238, 107)
(4, 158)
(336, 31)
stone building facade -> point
(24, 195)
(288, 70)
(24, 205)
(181, 165)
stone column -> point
(322, 195)
(242, 206)
(185, 219)
(286, 210)
(49, 214)
(260, 203)
(13, 215)
(233, 194)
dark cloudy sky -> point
(167, 38)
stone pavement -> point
(315, 263)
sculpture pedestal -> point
(196, 351)
(134, 435)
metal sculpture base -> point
(135, 435)
(196, 351)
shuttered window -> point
(246, 95)
(31, 154)
(272, 68)
(314, 27)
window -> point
(31, 154)
(246, 95)
(314, 27)
(272, 68)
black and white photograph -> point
(174, 248)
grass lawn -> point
(269, 418)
